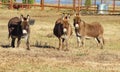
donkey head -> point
(65, 19)
(25, 24)
(65, 16)
(77, 20)
(65, 23)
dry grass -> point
(43, 57)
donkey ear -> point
(28, 17)
(21, 17)
(63, 14)
(68, 16)
(82, 22)
(75, 14)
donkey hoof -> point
(66, 50)
(28, 48)
(57, 48)
(101, 48)
(13, 46)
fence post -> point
(42, 4)
(79, 5)
(58, 5)
(11, 4)
(113, 5)
(96, 7)
(94, 2)
(74, 7)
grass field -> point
(43, 56)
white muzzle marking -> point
(24, 32)
(64, 30)
(25, 35)
(64, 35)
(76, 26)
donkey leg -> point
(97, 40)
(18, 42)
(13, 42)
(78, 41)
(82, 42)
(101, 42)
(60, 44)
(27, 42)
(28, 46)
(66, 44)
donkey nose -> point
(64, 30)
(24, 32)
(76, 26)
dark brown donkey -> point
(19, 28)
(63, 30)
(84, 30)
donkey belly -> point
(92, 34)
(58, 30)
(16, 33)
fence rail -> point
(76, 5)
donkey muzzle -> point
(24, 32)
(65, 30)
(76, 26)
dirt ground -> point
(44, 57)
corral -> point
(43, 56)
(111, 6)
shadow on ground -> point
(5, 46)
(42, 45)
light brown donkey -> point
(84, 30)
(63, 30)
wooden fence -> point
(75, 5)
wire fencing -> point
(111, 6)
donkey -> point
(63, 30)
(85, 30)
(19, 28)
